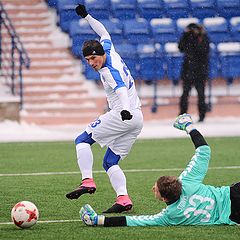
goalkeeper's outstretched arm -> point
(184, 122)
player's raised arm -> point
(198, 166)
(97, 26)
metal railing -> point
(13, 56)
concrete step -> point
(68, 99)
(53, 91)
(22, 2)
(51, 119)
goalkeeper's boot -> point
(182, 121)
(87, 186)
(123, 203)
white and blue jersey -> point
(114, 75)
(109, 129)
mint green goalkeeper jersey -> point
(198, 204)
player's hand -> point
(81, 11)
(182, 121)
(88, 215)
(126, 115)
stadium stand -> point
(230, 60)
(222, 64)
(137, 31)
(214, 64)
(99, 9)
(203, 8)
(150, 63)
(149, 9)
(164, 30)
(235, 28)
(217, 29)
(124, 9)
(115, 27)
(229, 8)
(66, 12)
(177, 8)
(174, 61)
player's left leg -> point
(118, 181)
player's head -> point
(94, 54)
(167, 188)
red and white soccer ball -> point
(24, 214)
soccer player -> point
(189, 201)
(116, 129)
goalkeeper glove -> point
(90, 217)
(184, 122)
(126, 115)
(81, 11)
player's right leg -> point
(85, 162)
(118, 181)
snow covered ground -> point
(15, 132)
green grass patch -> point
(48, 191)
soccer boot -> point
(123, 203)
(87, 186)
(182, 121)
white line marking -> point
(49, 221)
(102, 171)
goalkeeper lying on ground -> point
(189, 201)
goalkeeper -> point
(188, 200)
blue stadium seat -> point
(98, 9)
(217, 29)
(228, 8)
(137, 31)
(80, 31)
(128, 53)
(160, 61)
(182, 23)
(230, 60)
(52, 3)
(68, 3)
(124, 9)
(163, 30)
(115, 28)
(235, 28)
(149, 9)
(203, 8)
(177, 8)
(66, 12)
(174, 60)
(149, 67)
(214, 63)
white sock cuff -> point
(113, 169)
(189, 128)
(82, 146)
(100, 220)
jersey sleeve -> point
(198, 166)
(98, 27)
(159, 219)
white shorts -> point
(109, 130)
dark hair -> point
(92, 47)
(193, 26)
(169, 187)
